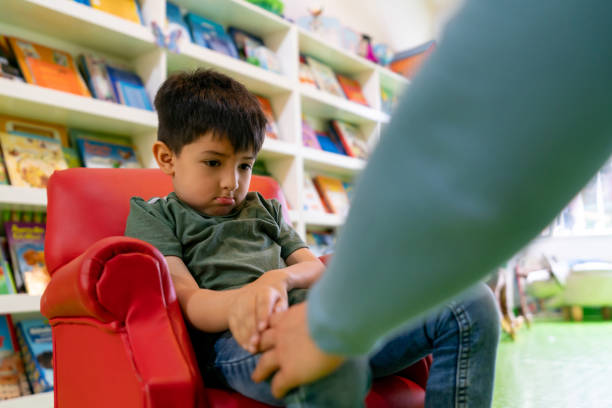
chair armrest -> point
(73, 290)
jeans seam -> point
(463, 355)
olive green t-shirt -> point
(221, 252)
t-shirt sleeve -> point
(149, 223)
(288, 238)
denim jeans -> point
(462, 336)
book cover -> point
(328, 143)
(352, 89)
(3, 174)
(267, 59)
(325, 77)
(30, 160)
(34, 339)
(309, 136)
(94, 71)
(176, 21)
(75, 134)
(332, 194)
(72, 157)
(7, 284)
(9, 68)
(407, 62)
(211, 35)
(388, 100)
(101, 154)
(305, 75)
(246, 43)
(48, 67)
(16, 124)
(312, 200)
(351, 138)
(26, 242)
(271, 125)
(128, 87)
(125, 9)
(11, 365)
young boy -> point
(234, 261)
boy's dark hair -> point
(190, 104)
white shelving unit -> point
(75, 28)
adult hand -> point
(291, 353)
(249, 314)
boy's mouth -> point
(225, 200)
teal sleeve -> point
(506, 121)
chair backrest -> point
(86, 205)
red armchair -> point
(119, 337)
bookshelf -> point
(75, 28)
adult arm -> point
(506, 121)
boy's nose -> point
(230, 181)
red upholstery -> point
(118, 334)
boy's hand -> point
(250, 312)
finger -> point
(268, 340)
(265, 302)
(267, 364)
(275, 319)
(282, 383)
(281, 305)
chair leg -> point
(577, 313)
(606, 312)
(567, 315)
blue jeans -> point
(462, 336)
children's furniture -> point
(119, 338)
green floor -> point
(556, 364)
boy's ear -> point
(164, 157)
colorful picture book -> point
(7, 284)
(309, 136)
(312, 200)
(94, 71)
(211, 35)
(352, 89)
(48, 67)
(17, 124)
(407, 62)
(176, 21)
(271, 125)
(305, 75)
(351, 138)
(9, 68)
(12, 374)
(329, 142)
(388, 100)
(4, 180)
(30, 160)
(126, 9)
(128, 87)
(246, 44)
(321, 242)
(26, 242)
(105, 154)
(332, 194)
(34, 339)
(325, 77)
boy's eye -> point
(212, 163)
(245, 166)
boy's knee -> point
(483, 311)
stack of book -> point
(89, 76)
(30, 151)
(13, 379)
(315, 72)
(339, 137)
(326, 194)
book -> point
(9, 68)
(271, 125)
(94, 71)
(332, 194)
(407, 62)
(267, 59)
(35, 343)
(26, 242)
(7, 283)
(103, 154)
(321, 242)
(176, 21)
(125, 9)
(30, 159)
(211, 35)
(71, 155)
(128, 87)
(388, 100)
(312, 200)
(309, 136)
(305, 75)
(48, 67)
(349, 188)
(352, 89)
(11, 365)
(245, 43)
(325, 77)
(17, 124)
(3, 173)
(351, 138)
(329, 142)
(75, 134)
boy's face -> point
(208, 174)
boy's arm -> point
(303, 269)
(205, 309)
